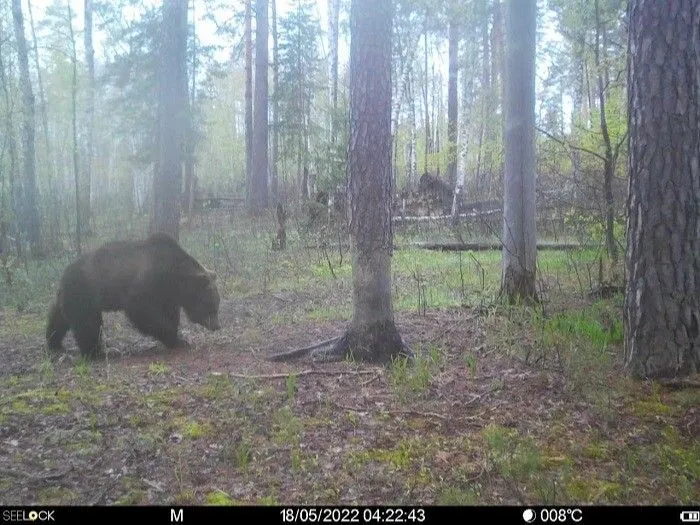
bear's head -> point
(200, 299)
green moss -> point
(218, 497)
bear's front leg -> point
(156, 320)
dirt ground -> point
(218, 424)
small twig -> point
(371, 379)
(34, 478)
(155, 486)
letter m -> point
(176, 516)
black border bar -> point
(324, 514)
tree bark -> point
(14, 187)
(79, 205)
(452, 103)
(372, 335)
(29, 220)
(662, 309)
(426, 106)
(172, 118)
(519, 236)
(333, 16)
(190, 138)
(90, 111)
(608, 163)
(248, 37)
(274, 181)
(260, 160)
(54, 226)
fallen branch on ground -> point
(304, 373)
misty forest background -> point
(95, 113)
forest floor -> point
(502, 406)
(467, 424)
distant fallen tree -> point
(436, 218)
(484, 246)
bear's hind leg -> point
(87, 333)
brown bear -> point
(149, 280)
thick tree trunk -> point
(248, 37)
(172, 118)
(260, 160)
(662, 302)
(372, 334)
(29, 221)
(519, 236)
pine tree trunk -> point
(260, 160)
(172, 118)
(79, 206)
(188, 199)
(90, 111)
(12, 193)
(274, 181)
(333, 16)
(54, 225)
(519, 236)
(248, 37)
(29, 222)
(372, 334)
(662, 302)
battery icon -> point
(690, 516)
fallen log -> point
(436, 218)
(485, 246)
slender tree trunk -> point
(29, 222)
(274, 182)
(519, 235)
(260, 161)
(90, 110)
(608, 164)
(426, 106)
(248, 37)
(15, 195)
(172, 118)
(437, 117)
(452, 103)
(54, 220)
(410, 148)
(333, 16)
(662, 300)
(74, 124)
(190, 137)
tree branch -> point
(564, 143)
